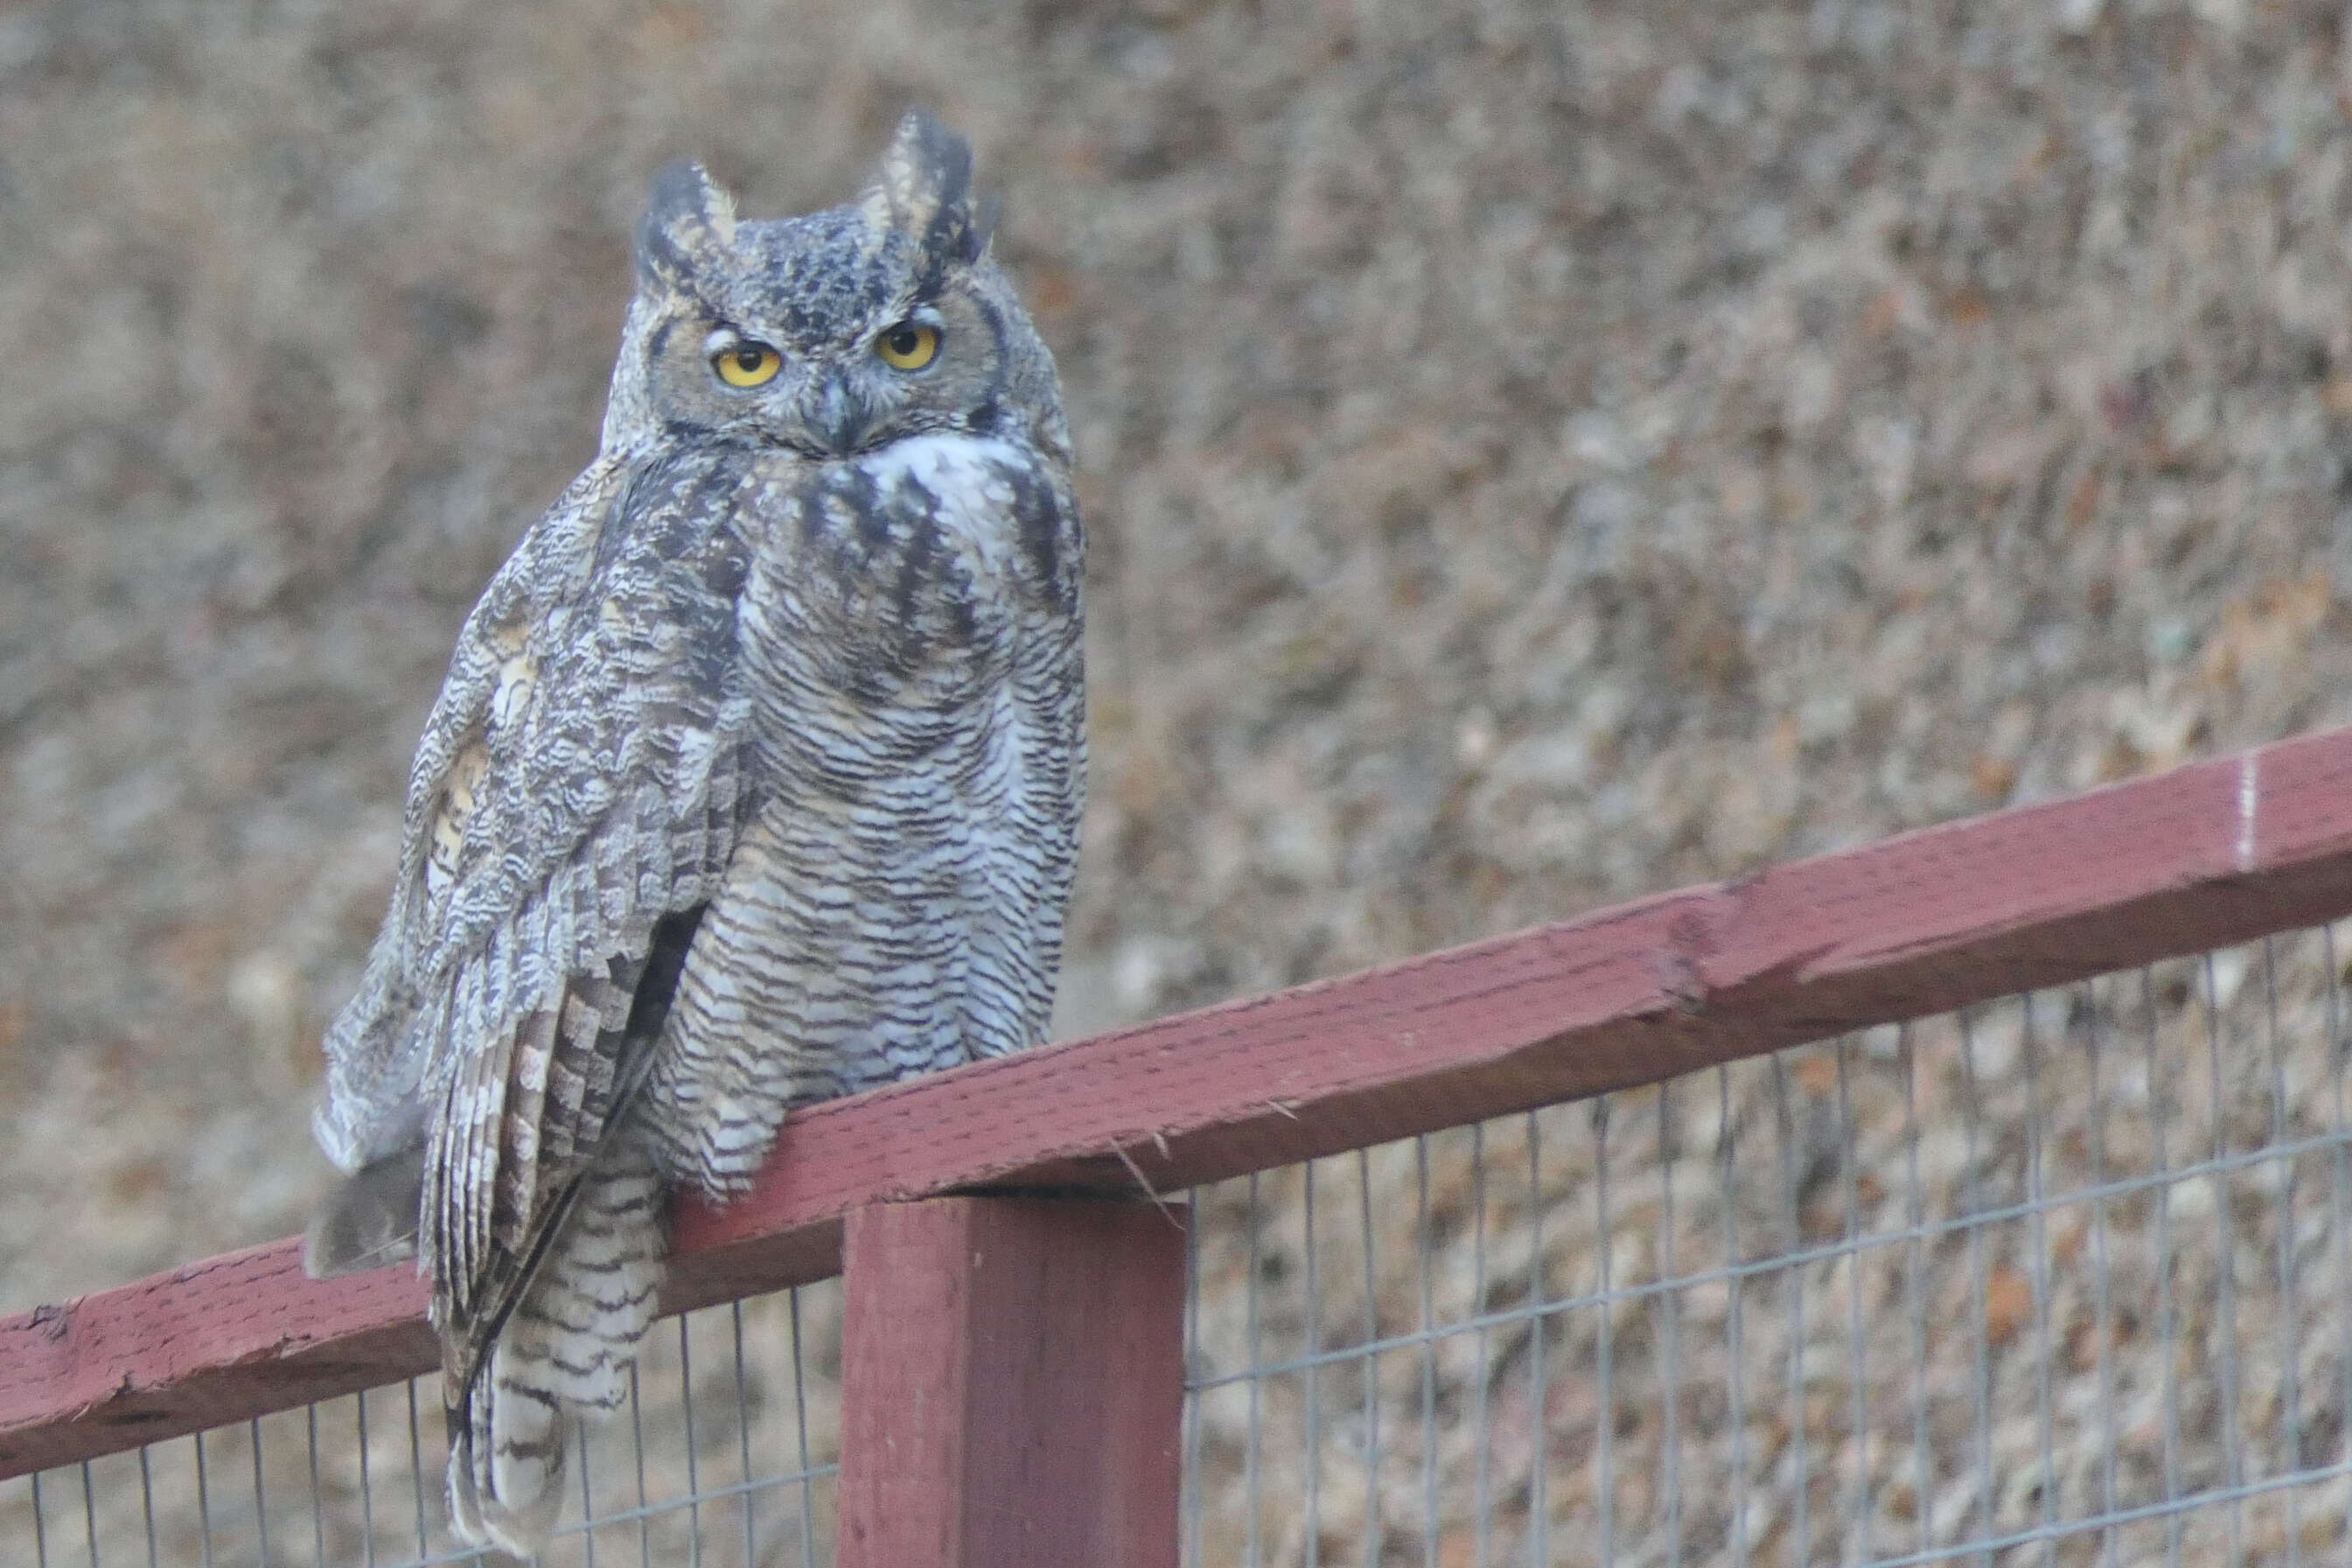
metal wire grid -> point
(724, 1458)
(2060, 1278)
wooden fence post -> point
(1013, 1384)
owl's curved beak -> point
(834, 412)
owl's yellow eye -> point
(747, 364)
(909, 346)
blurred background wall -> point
(1536, 452)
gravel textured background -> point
(1535, 453)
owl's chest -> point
(909, 575)
(891, 598)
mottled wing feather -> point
(461, 1154)
(606, 1045)
(377, 1054)
(581, 1067)
(511, 1194)
(578, 782)
(533, 1152)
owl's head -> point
(835, 333)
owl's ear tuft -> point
(687, 218)
(924, 191)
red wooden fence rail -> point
(2207, 855)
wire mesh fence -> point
(725, 1456)
(2059, 1277)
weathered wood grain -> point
(1013, 1384)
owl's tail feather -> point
(369, 1220)
(566, 1348)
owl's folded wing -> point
(574, 801)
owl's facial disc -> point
(827, 335)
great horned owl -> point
(755, 780)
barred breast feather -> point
(895, 905)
